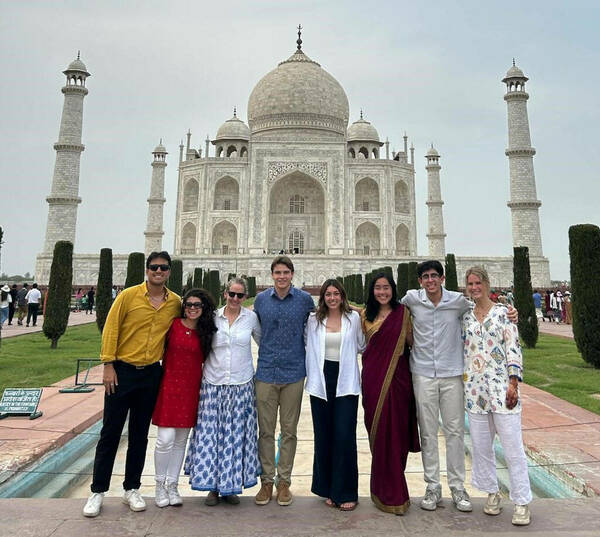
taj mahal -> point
(297, 178)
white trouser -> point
(443, 396)
(169, 453)
(483, 430)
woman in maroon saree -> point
(388, 399)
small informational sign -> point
(20, 402)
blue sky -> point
(433, 70)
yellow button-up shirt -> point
(135, 331)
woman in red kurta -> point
(188, 342)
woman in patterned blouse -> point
(493, 369)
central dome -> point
(298, 93)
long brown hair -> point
(322, 309)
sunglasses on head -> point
(239, 295)
(154, 267)
(193, 305)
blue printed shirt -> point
(281, 353)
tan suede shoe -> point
(284, 494)
(264, 494)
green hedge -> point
(528, 326)
(450, 271)
(413, 279)
(104, 287)
(136, 269)
(58, 302)
(175, 282)
(402, 279)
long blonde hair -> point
(481, 273)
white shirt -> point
(352, 342)
(5, 303)
(438, 348)
(33, 296)
(230, 360)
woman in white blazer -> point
(334, 338)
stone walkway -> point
(19, 330)
(556, 329)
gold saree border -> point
(394, 509)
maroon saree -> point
(390, 410)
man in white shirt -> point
(33, 297)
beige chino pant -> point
(287, 398)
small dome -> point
(362, 131)
(514, 72)
(432, 152)
(160, 148)
(77, 65)
(233, 129)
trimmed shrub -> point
(58, 297)
(368, 278)
(360, 293)
(413, 278)
(198, 278)
(528, 326)
(584, 249)
(389, 271)
(251, 286)
(104, 287)
(402, 280)
(204, 280)
(214, 285)
(450, 272)
(189, 283)
(175, 281)
(136, 269)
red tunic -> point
(177, 403)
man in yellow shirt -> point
(133, 341)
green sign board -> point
(20, 401)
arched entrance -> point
(224, 238)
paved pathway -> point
(556, 329)
(18, 330)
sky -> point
(432, 70)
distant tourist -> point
(188, 342)
(133, 342)
(90, 301)
(5, 300)
(282, 311)
(22, 303)
(12, 306)
(537, 302)
(223, 460)
(114, 292)
(34, 298)
(493, 368)
(78, 299)
(568, 308)
(334, 338)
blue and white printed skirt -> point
(222, 454)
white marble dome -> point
(298, 93)
(362, 131)
(233, 129)
(77, 65)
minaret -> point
(64, 195)
(154, 228)
(523, 203)
(436, 235)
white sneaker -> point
(161, 497)
(433, 498)
(521, 515)
(461, 500)
(492, 506)
(134, 500)
(174, 497)
(93, 505)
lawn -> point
(28, 361)
(556, 366)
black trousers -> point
(11, 312)
(335, 466)
(32, 313)
(136, 394)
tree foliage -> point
(450, 271)
(402, 279)
(251, 286)
(198, 278)
(104, 287)
(175, 281)
(58, 301)
(528, 326)
(214, 285)
(136, 269)
(413, 278)
(584, 249)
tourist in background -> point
(189, 341)
(493, 367)
(12, 305)
(334, 338)
(224, 459)
(537, 302)
(388, 399)
(91, 294)
(5, 300)
(22, 303)
(78, 298)
(34, 299)
(568, 305)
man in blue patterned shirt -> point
(282, 310)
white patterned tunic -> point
(492, 353)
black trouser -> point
(11, 312)
(335, 466)
(136, 393)
(32, 312)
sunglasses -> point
(239, 295)
(155, 267)
(193, 305)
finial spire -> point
(361, 114)
(299, 40)
(234, 111)
(78, 54)
(160, 143)
(514, 63)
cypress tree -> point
(175, 281)
(58, 302)
(214, 285)
(402, 281)
(204, 281)
(251, 286)
(413, 278)
(368, 278)
(584, 249)
(198, 277)
(189, 283)
(104, 287)
(528, 326)
(450, 270)
(136, 269)
(340, 279)
(346, 285)
(389, 272)
(360, 293)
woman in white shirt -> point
(334, 338)
(5, 301)
(222, 455)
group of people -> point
(25, 302)
(431, 353)
(554, 305)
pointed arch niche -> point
(188, 239)
(190, 195)
(224, 238)
(366, 195)
(367, 239)
(227, 194)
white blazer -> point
(352, 342)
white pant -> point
(483, 430)
(169, 453)
(443, 396)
